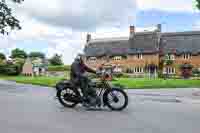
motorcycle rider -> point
(78, 76)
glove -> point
(98, 73)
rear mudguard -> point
(63, 84)
(67, 84)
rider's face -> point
(81, 60)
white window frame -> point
(117, 58)
(187, 56)
(139, 56)
(138, 70)
(169, 70)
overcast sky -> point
(60, 26)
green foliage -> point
(7, 19)
(196, 72)
(2, 56)
(37, 55)
(120, 75)
(18, 53)
(6, 69)
(198, 4)
(19, 62)
(168, 62)
(59, 68)
(182, 66)
(56, 60)
(160, 74)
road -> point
(33, 109)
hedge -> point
(59, 68)
(10, 69)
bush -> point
(160, 74)
(59, 68)
(10, 69)
(120, 75)
(196, 72)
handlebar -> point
(103, 75)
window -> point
(187, 56)
(139, 56)
(170, 57)
(138, 70)
(169, 70)
(92, 59)
(117, 58)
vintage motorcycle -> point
(115, 98)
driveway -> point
(33, 109)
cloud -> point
(63, 24)
(167, 5)
(80, 14)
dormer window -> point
(139, 56)
(187, 56)
(117, 58)
(92, 59)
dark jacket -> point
(78, 69)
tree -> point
(2, 56)
(56, 60)
(37, 54)
(7, 20)
(198, 4)
(18, 53)
(19, 62)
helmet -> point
(79, 58)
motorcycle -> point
(69, 94)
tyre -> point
(68, 97)
(113, 97)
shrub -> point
(168, 62)
(120, 75)
(10, 69)
(196, 72)
(160, 74)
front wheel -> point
(116, 99)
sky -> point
(60, 26)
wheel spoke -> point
(116, 103)
(67, 93)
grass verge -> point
(126, 82)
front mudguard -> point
(105, 100)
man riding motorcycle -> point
(78, 76)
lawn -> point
(157, 83)
(126, 82)
(43, 81)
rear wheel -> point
(68, 97)
(116, 99)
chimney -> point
(88, 38)
(159, 27)
(132, 31)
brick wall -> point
(194, 61)
(130, 61)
